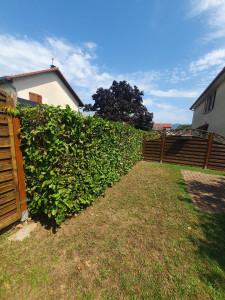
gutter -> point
(208, 87)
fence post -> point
(209, 147)
(162, 146)
(20, 170)
(143, 146)
(10, 105)
(19, 162)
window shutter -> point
(204, 111)
(209, 103)
(213, 99)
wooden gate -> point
(10, 196)
(187, 147)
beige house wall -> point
(216, 117)
(48, 85)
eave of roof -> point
(60, 75)
(208, 87)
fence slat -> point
(5, 161)
(7, 188)
(5, 167)
(4, 131)
(184, 155)
(187, 159)
(8, 203)
(8, 218)
(6, 178)
(7, 209)
(3, 119)
(153, 156)
(4, 150)
(178, 162)
(2, 102)
(5, 155)
(200, 149)
(7, 197)
(4, 145)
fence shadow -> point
(213, 245)
(207, 191)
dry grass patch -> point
(143, 240)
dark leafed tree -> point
(121, 103)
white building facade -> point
(46, 87)
(209, 108)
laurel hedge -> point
(69, 160)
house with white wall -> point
(162, 126)
(46, 86)
(209, 108)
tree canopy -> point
(122, 103)
(183, 126)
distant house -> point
(162, 126)
(46, 86)
(209, 108)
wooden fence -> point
(12, 181)
(187, 147)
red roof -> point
(60, 75)
(167, 125)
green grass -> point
(143, 240)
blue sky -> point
(170, 49)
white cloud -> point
(214, 11)
(148, 102)
(174, 93)
(20, 54)
(79, 65)
(213, 58)
(90, 46)
(175, 115)
(199, 6)
(165, 112)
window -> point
(35, 97)
(209, 103)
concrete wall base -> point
(24, 215)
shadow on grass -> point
(45, 222)
(184, 187)
(211, 246)
(209, 196)
(9, 227)
(211, 249)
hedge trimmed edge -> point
(69, 160)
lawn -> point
(143, 240)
